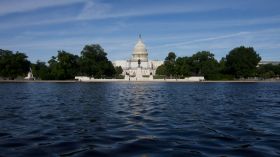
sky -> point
(40, 28)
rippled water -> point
(139, 119)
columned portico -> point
(139, 67)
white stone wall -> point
(131, 67)
(122, 63)
(195, 78)
(156, 64)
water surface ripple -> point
(139, 119)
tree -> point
(41, 71)
(268, 71)
(242, 62)
(182, 66)
(169, 64)
(94, 62)
(118, 70)
(204, 63)
(161, 70)
(64, 66)
(13, 65)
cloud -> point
(264, 41)
(179, 44)
(27, 26)
(93, 10)
(259, 36)
(97, 10)
(16, 6)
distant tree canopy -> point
(64, 66)
(41, 71)
(182, 67)
(161, 70)
(268, 71)
(242, 62)
(94, 62)
(169, 64)
(13, 65)
(201, 63)
(118, 70)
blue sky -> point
(41, 27)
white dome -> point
(140, 52)
(140, 48)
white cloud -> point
(17, 6)
(241, 37)
(96, 10)
(185, 43)
(93, 10)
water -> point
(139, 119)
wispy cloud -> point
(97, 10)
(252, 38)
(264, 41)
(93, 10)
(178, 44)
(16, 6)
(44, 26)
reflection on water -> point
(139, 119)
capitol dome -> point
(140, 51)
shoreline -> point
(148, 81)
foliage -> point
(169, 64)
(118, 70)
(94, 62)
(159, 77)
(64, 66)
(161, 70)
(13, 65)
(41, 71)
(182, 66)
(268, 71)
(241, 62)
(204, 64)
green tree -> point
(94, 62)
(204, 63)
(41, 71)
(161, 70)
(13, 65)
(268, 71)
(118, 70)
(169, 64)
(182, 66)
(64, 66)
(241, 62)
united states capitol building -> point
(139, 67)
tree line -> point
(241, 62)
(92, 62)
(12, 64)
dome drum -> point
(140, 51)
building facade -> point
(138, 66)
